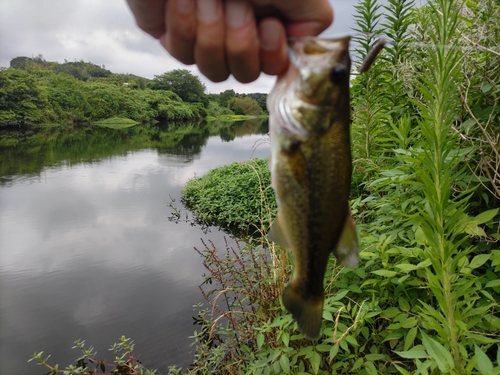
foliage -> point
(124, 363)
(216, 110)
(233, 196)
(35, 91)
(78, 69)
(20, 98)
(244, 106)
(224, 97)
(116, 123)
(42, 96)
(188, 86)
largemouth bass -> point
(311, 167)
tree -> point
(21, 99)
(19, 62)
(226, 96)
(245, 106)
(263, 103)
(183, 83)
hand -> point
(239, 37)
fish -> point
(311, 165)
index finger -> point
(301, 18)
(149, 16)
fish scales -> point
(311, 171)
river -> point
(88, 247)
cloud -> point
(105, 33)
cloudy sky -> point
(104, 32)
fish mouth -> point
(314, 45)
(317, 60)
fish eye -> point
(338, 74)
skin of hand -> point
(238, 37)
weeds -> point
(124, 364)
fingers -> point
(181, 30)
(273, 55)
(209, 51)
(149, 15)
(241, 41)
(306, 18)
(222, 36)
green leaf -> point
(333, 352)
(484, 364)
(401, 370)
(351, 340)
(391, 312)
(323, 348)
(285, 337)
(412, 354)
(370, 368)
(406, 267)
(485, 216)
(285, 364)
(276, 367)
(338, 296)
(374, 357)
(315, 362)
(409, 323)
(385, 273)
(438, 353)
(260, 340)
(493, 283)
(403, 304)
(327, 315)
(479, 260)
(410, 338)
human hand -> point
(239, 37)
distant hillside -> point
(81, 70)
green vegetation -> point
(116, 123)
(234, 196)
(124, 363)
(35, 91)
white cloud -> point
(104, 32)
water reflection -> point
(87, 249)
(28, 151)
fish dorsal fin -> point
(347, 248)
(276, 234)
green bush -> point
(233, 196)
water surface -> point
(88, 249)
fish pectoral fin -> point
(307, 312)
(276, 234)
(347, 248)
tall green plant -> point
(456, 306)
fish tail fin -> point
(347, 248)
(307, 312)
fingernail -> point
(269, 36)
(207, 10)
(184, 6)
(237, 13)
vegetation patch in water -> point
(237, 197)
(116, 123)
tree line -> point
(33, 91)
